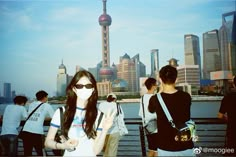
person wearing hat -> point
(113, 135)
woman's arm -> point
(51, 143)
(101, 135)
(99, 141)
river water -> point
(199, 109)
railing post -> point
(142, 139)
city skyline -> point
(36, 35)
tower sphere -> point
(106, 73)
(105, 20)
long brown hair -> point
(91, 108)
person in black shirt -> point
(227, 111)
(178, 103)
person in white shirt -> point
(151, 85)
(113, 135)
(12, 117)
(83, 134)
(33, 128)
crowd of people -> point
(89, 128)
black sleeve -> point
(183, 110)
(224, 102)
(189, 100)
(152, 104)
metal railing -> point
(211, 132)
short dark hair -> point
(168, 74)
(150, 82)
(20, 99)
(110, 98)
(41, 94)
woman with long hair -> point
(83, 136)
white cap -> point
(112, 94)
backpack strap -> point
(143, 111)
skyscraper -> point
(227, 35)
(211, 53)
(140, 69)
(62, 80)
(154, 63)
(105, 21)
(7, 91)
(192, 50)
(126, 70)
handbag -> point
(22, 134)
(151, 126)
(185, 131)
(120, 120)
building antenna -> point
(172, 53)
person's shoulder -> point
(21, 107)
(10, 105)
(233, 93)
(153, 97)
(229, 96)
(148, 95)
(46, 103)
(13, 106)
(183, 92)
(34, 103)
(103, 102)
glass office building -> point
(211, 53)
(154, 63)
(227, 34)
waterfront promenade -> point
(211, 132)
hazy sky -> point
(36, 35)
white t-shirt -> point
(12, 117)
(148, 115)
(85, 146)
(105, 107)
(35, 123)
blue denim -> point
(10, 144)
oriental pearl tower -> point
(106, 71)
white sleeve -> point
(24, 113)
(56, 119)
(140, 113)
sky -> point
(36, 35)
